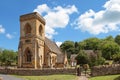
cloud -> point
(102, 21)
(58, 43)
(2, 30)
(57, 17)
(9, 36)
(42, 9)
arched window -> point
(40, 30)
(28, 55)
(27, 28)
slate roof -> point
(88, 52)
(54, 48)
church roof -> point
(52, 46)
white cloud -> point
(42, 9)
(2, 30)
(102, 21)
(57, 17)
(9, 36)
(58, 43)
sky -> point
(73, 20)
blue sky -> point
(73, 20)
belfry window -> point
(40, 30)
(27, 29)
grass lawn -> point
(109, 77)
(50, 77)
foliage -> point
(100, 61)
(96, 59)
(77, 48)
(68, 47)
(7, 57)
(109, 38)
(116, 57)
(92, 44)
(117, 39)
(109, 48)
(82, 45)
(82, 58)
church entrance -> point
(28, 58)
(28, 55)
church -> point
(35, 50)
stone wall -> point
(36, 72)
(105, 70)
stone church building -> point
(35, 50)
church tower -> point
(31, 44)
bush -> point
(116, 57)
(7, 57)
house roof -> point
(88, 52)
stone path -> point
(9, 77)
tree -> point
(68, 47)
(117, 39)
(7, 57)
(116, 57)
(82, 58)
(96, 59)
(77, 48)
(109, 38)
(109, 48)
(82, 45)
(91, 44)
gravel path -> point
(9, 77)
(83, 77)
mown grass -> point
(109, 77)
(50, 77)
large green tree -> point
(109, 48)
(117, 39)
(92, 44)
(68, 47)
